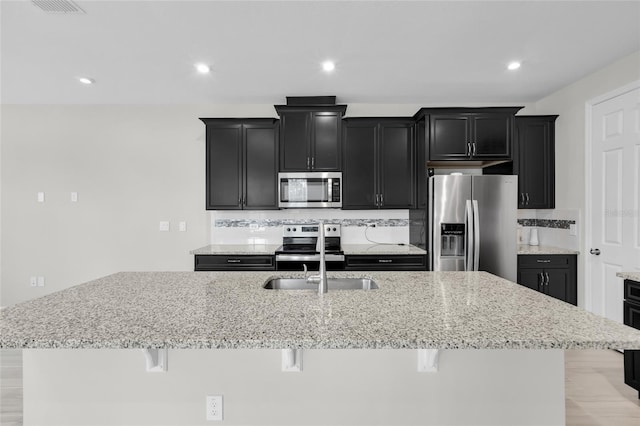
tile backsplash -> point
(555, 227)
(265, 227)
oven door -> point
(307, 190)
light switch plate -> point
(573, 229)
(164, 226)
(74, 197)
(182, 226)
(41, 197)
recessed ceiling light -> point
(203, 68)
(513, 66)
(328, 66)
(86, 80)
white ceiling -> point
(422, 52)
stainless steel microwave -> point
(310, 190)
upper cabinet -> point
(379, 170)
(535, 163)
(310, 137)
(469, 134)
(242, 163)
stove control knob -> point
(288, 229)
(328, 228)
(294, 229)
(334, 229)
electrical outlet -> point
(371, 224)
(214, 407)
(182, 226)
(573, 230)
(164, 226)
(74, 197)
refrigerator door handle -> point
(468, 219)
(476, 235)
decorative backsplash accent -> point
(547, 223)
(275, 223)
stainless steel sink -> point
(333, 284)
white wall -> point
(569, 103)
(336, 387)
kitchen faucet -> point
(321, 278)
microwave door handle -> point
(476, 236)
(329, 190)
(468, 222)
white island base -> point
(336, 387)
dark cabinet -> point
(632, 319)
(310, 137)
(223, 262)
(391, 262)
(554, 275)
(535, 161)
(378, 166)
(463, 134)
(242, 164)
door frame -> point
(587, 244)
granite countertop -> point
(240, 249)
(527, 249)
(410, 310)
(381, 249)
(236, 249)
(633, 276)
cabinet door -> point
(397, 169)
(492, 136)
(558, 285)
(326, 147)
(449, 137)
(536, 162)
(422, 178)
(360, 189)
(224, 167)
(260, 167)
(530, 278)
(295, 141)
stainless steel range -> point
(299, 248)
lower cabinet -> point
(224, 262)
(554, 275)
(632, 319)
(391, 262)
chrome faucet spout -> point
(321, 278)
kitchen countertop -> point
(381, 249)
(527, 249)
(236, 249)
(410, 310)
(239, 249)
(633, 276)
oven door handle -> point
(308, 257)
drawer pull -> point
(543, 260)
(385, 260)
(233, 260)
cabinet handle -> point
(474, 149)
(540, 281)
(385, 260)
(313, 162)
(468, 149)
(543, 260)
(522, 198)
(233, 260)
(377, 200)
(546, 274)
(381, 200)
(527, 202)
(308, 161)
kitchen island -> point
(501, 359)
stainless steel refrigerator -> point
(472, 222)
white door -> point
(615, 195)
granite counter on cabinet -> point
(237, 249)
(405, 249)
(633, 276)
(544, 250)
(445, 310)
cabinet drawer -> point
(388, 262)
(229, 263)
(544, 261)
(632, 291)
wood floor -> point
(10, 387)
(595, 391)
